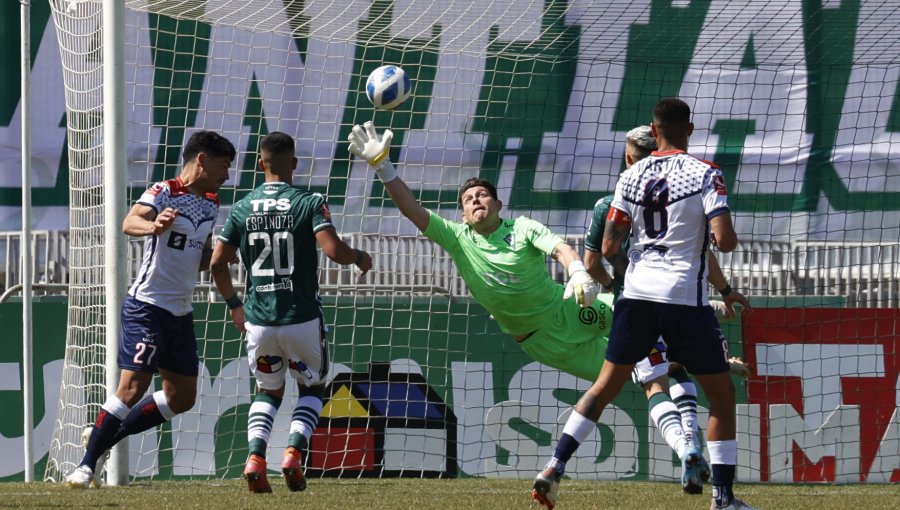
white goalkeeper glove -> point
(581, 285)
(364, 144)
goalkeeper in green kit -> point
(503, 263)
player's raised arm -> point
(364, 144)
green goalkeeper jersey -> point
(275, 229)
(506, 272)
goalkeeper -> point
(502, 262)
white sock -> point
(306, 416)
(684, 394)
(579, 427)
(163, 405)
(668, 420)
(260, 420)
(723, 452)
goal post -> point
(536, 96)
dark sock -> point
(102, 438)
(258, 446)
(722, 481)
(144, 416)
(298, 441)
(565, 448)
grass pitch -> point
(479, 494)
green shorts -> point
(574, 341)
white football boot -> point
(546, 487)
(735, 505)
(81, 478)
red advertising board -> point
(815, 359)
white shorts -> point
(300, 349)
(653, 366)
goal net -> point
(797, 102)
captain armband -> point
(618, 217)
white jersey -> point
(168, 273)
(670, 197)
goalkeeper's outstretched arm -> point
(364, 143)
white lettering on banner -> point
(11, 448)
(48, 109)
(664, 465)
(887, 458)
(622, 460)
(838, 437)
(194, 433)
(473, 393)
(820, 368)
(772, 96)
(47, 141)
(867, 108)
(238, 59)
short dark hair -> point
(277, 143)
(475, 182)
(672, 116)
(209, 142)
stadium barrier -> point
(867, 275)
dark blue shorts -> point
(692, 335)
(153, 338)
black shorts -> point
(153, 338)
(692, 335)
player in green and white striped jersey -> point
(276, 228)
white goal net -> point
(535, 95)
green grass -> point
(394, 494)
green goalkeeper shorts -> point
(574, 341)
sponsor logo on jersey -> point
(719, 185)
(269, 364)
(587, 315)
(510, 239)
(177, 241)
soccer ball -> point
(388, 87)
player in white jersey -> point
(176, 217)
(673, 206)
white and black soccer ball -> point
(388, 87)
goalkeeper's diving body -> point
(502, 263)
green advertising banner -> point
(404, 370)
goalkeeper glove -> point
(364, 144)
(581, 285)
